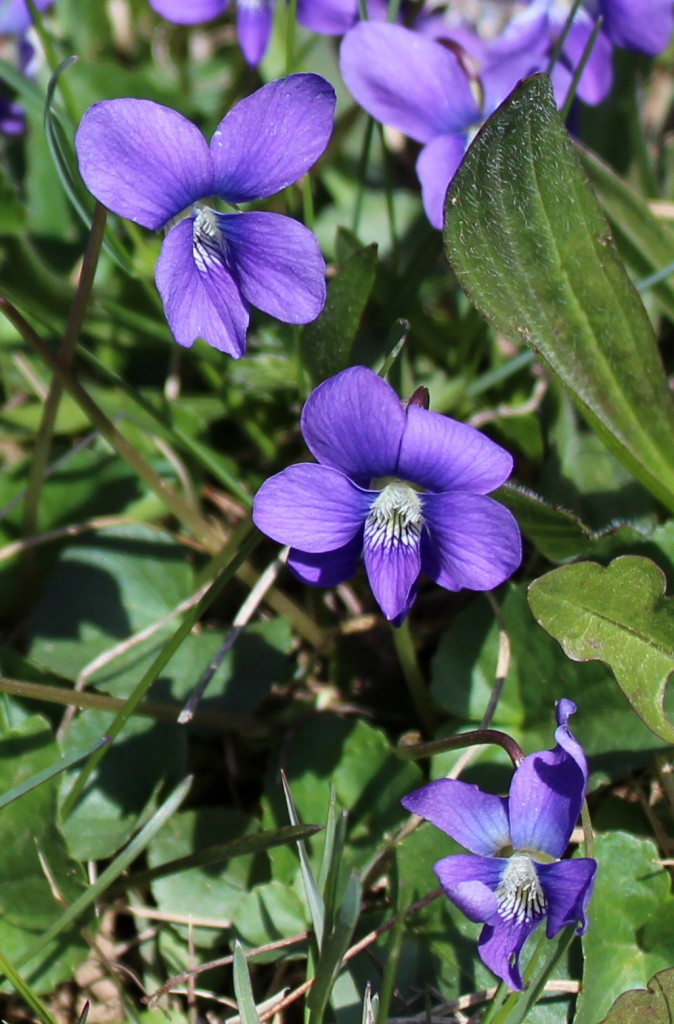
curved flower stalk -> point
(148, 163)
(402, 487)
(513, 879)
(253, 20)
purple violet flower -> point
(253, 20)
(513, 878)
(417, 85)
(402, 487)
(149, 163)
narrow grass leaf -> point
(243, 989)
(47, 773)
(311, 889)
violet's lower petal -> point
(12, 117)
(199, 304)
(191, 13)
(277, 263)
(393, 571)
(142, 160)
(645, 26)
(310, 507)
(436, 165)
(471, 541)
(329, 17)
(253, 28)
(15, 17)
(327, 568)
(272, 137)
(567, 885)
(354, 422)
(596, 81)
(470, 881)
(500, 944)
(477, 820)
(546, 795)
(442, 454)
(406, 80)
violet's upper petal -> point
(436, 165)
(471, 541)
(327, 568)
(406, 80)
(312, 508)
(520, 50)
(142, 160)
(15, 18)
(191, 13)
(253, 28)
(477, 820)
(277, 262)
(646, 27)
(596, 81)
(470, 881)
(272, 137)
(330, 17)
(567, 885)
(199, 303)
(443, 454)
(393, 571)
(354, 422)
(500, 944)
(547, 792)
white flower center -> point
(519, 893)
(208, 242)
(395, 517)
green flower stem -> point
(571, 94)
(45, 432)
(290, 36)
(416, 684)
(362, 173)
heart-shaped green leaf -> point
(617, 614)
(528, 242)
(655, 1006)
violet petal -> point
(436, 165)
(354, 422)
(193, 12)
(471, 541)
(393, 571)
(272, 137)
(277, 262)
(326, 568)
(406, 80)
(142, 160)
(442, 454)
(547, 792)
(253, 28)
(199, 304)
(476, 820)
(312, 508)
(567, 885)
(469, 881)
(646, 27)
(500, 944)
